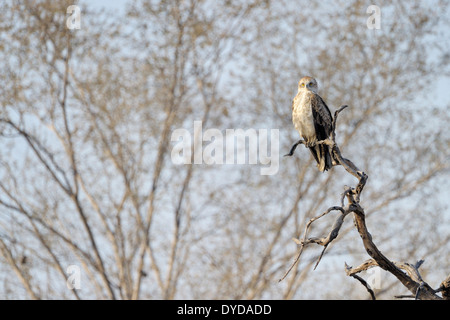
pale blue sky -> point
(441, 88)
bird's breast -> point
(302, 116)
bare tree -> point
(356, 69)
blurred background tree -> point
(86, 118)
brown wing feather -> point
(322, 117)
(323, 125)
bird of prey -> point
(312, 119)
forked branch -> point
(411, 279)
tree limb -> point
(412, 279)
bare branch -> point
(321, 241)
(411, 279)
(361, 280)
(445, 288)
(24, 278)
(291, 152)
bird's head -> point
(308, 83)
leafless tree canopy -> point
(87, 180)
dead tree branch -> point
(406, 273)
(352, 273)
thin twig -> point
(321, 241)
(291, 152)
(352, 274)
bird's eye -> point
(302, 85)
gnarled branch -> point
(412, 279)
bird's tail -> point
(322, 155)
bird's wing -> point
(322, 117)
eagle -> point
(313, 120)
